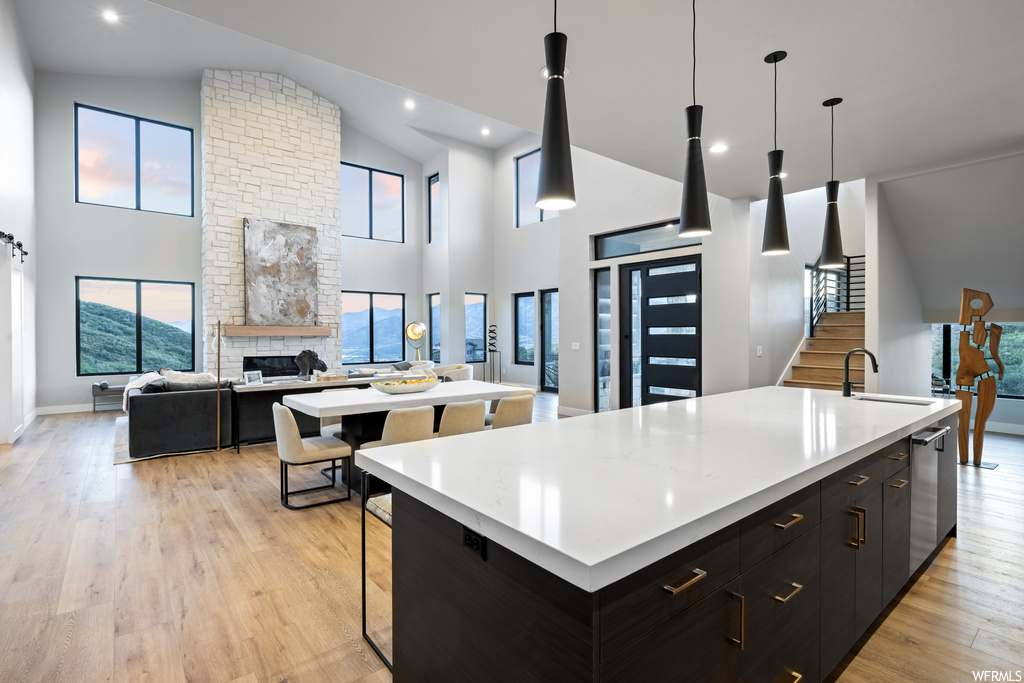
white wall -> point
(378, 266)
(525, 260)
(81, 239)
(903, 348)
(17, 206)
(777, 282)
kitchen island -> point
(694, 540)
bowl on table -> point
(410, 386)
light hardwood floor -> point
(188, 568)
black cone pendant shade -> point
(694, 217)
(776, 232)
(832, 256)
(555, 189)
(832, 243)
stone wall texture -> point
(271, 150)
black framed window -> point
(527, 177)
(372, 327)
(434, 304)
(130, 162)
(524, 311)
(640, 240)
(132, 326)
(372, 203)
(946, 357)
(433, 205)
(476, 327)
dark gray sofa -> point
(180, 420)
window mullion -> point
(138, 164)
(373, 354)
(369, 191)
(138, 326)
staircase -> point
(821, 363)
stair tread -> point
(825, 367)
(822, 382)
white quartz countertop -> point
(595, 498)
(341, 403)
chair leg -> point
(286, 494)
(366, 636)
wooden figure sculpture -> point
(974, 368)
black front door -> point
(660, 320)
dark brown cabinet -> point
(851, 559)
(896, 492)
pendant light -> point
(555, 189)
(694, 217)
(832, 256)
(776, 234)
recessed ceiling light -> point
(718, 148)
(410, 105)
(485, 131)
(111, 16)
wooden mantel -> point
(276, 331)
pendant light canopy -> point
(694, 216)
(555, 189)
(776, 232)
(832, 243)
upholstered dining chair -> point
(292, 450)
(464, 417)
(402, 425)
(512, 411)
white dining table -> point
(342, 403)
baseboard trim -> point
(31, 418)
(1004, 428)
(72, 408)
(566, 411)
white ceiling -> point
(963, 227)
(153, 41)
(925, 81)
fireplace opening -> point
(271, 366)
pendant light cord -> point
(775, 65)
(556, 16)
(694, 79)
(833, 108)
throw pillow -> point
(401, 367)
(154, 388)
(175, 376)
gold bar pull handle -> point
(862, 535)
(858, 515)
(739, 642)
(796, 677)
(797, 587)
(698, 574)
(861, 479)
(898, 456)
(785, 525)
(900, 483)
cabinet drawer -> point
(640, 602)
(895, 458)
(778, 595)
(843, 487)
(794, 659)
(695, 645)
(773, 527)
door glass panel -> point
(636, 332)
(549, 332)
(604, 338)
(669, 270)
(670, 391)
(661, 360)
(671, 330)
(666, 300)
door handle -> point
(796, 677)
(898, 457)
(796, 518)
(797, 587)
(698, 575)
(862, 527)
(900, 483)
(925, 440)
(861, 479)
(858, 514)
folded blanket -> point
(138, 383)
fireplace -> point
(271, 366)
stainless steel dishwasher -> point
(928, 444)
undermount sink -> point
(904, 401)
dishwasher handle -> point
(925, 438)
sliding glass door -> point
(549, 340)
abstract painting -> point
(280, 273)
